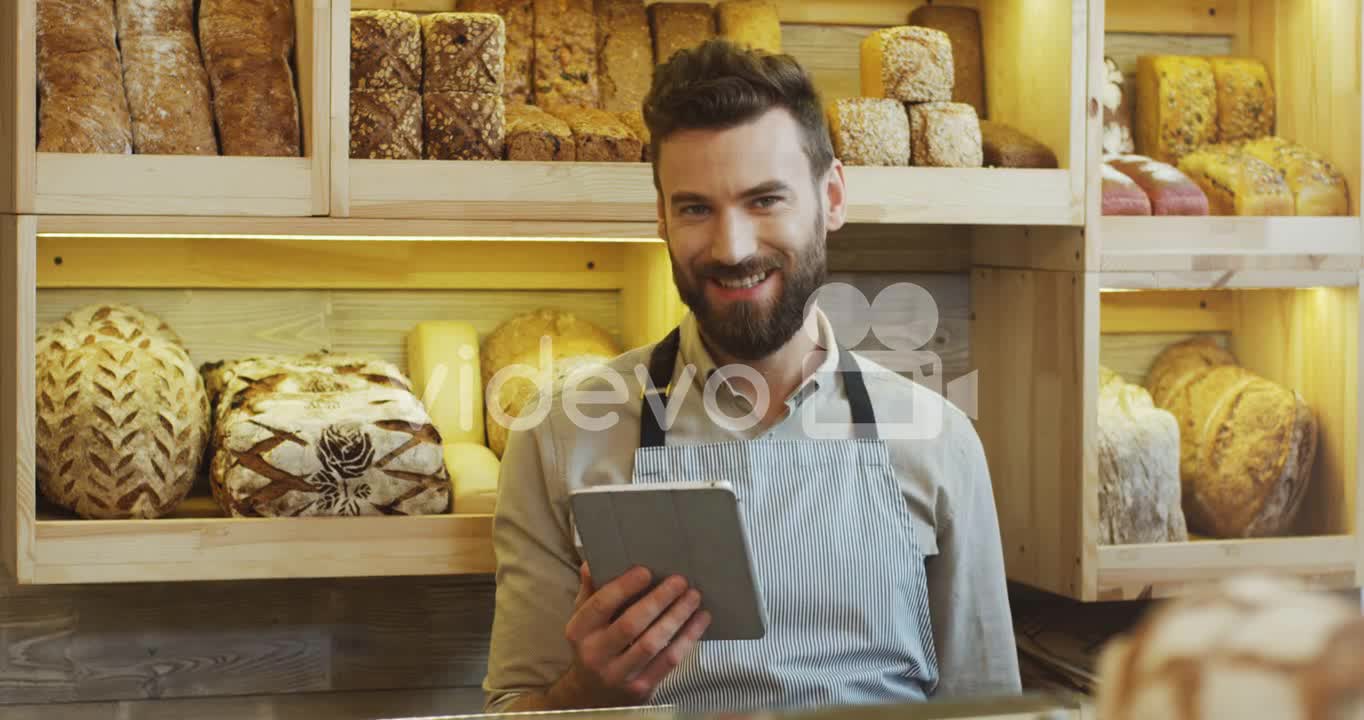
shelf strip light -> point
(380, 238)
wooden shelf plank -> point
(1166, 569)
(95, 551)
(1229, 243)
(325, 228)
(1172, 17)
(593, 192)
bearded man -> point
(879, 557)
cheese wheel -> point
(442, 360)
(473, 472)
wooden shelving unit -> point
(1047, 39)
(58, 183)
(1311, 49)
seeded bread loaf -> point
(82, 106)
(598, 136)
(679, 26)
(565, 64)
(1176, 106)
(869, 131)
(386, 124)
(911, 64)
(1245, 99)
(1318, 188)
(463, 52)
(1246, 444)
(1171, 191)
(163, 73)
(750, 23)
(1138, 451)
(463, 126)
(625, 54)
(385, 50)
(1122, 195)
(518, 19)
(247, 47)
(1237, 183)
(944, 134)
(1004, 146)
(122, 417)
(634, 120)
(533, 134)
(962, 26)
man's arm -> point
(968, 594)
(537, 578)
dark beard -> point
(748, 331)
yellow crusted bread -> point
(1176, 106)
(1237, 183)
(750, 23)
(1245, 99)
(1318, 188)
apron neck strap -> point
(663, 361)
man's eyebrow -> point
(766, 188)
(685, 197)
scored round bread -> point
(1246, 443)
(117, 319)
(574, 343)
(122, 418)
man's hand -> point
(620, 658)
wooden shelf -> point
(1198, 244)
(57, 183)
(1129, 572)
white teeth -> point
(742, 283)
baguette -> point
(82, 106)
(247, 46)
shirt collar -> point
(692, 350)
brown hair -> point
(719, 85)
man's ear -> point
(662, 221)
(835, 197)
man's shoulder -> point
(889, 386)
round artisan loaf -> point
(1246, 444)
(122, 417)
(575, 344)
(1251, 647)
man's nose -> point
(735, 239)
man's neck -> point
(783, 370)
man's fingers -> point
(632, 625)
(602, 605)
(658, 637)
(665, 662)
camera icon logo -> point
(904, 318)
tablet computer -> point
(692, 529)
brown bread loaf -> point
(518, 19)
(1246, 444)
(749, 23)
(1004, 146)
(945, 135)
(464, 126)
(625, 54)
(679, 26)
(464, 52)
(163, 72)
(1236, 182)
(869, 131)
(82, 106)
(386, 124)
(533, 134)
(1171, 191)
(122, 418)
(962, 26)
(565, 65)
(1245, 99)
(385, 50)
(598, 136)
(634, 120)
(247, 46)
(1122, 195)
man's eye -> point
(767, 201)
(694, 210)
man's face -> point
(745, 224)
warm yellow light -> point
(371, 238)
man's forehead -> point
(736, 158)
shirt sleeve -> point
(537, 572)
(968, 593)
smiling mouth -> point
(743, 282)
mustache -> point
(751, 266)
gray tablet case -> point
(688, 529)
